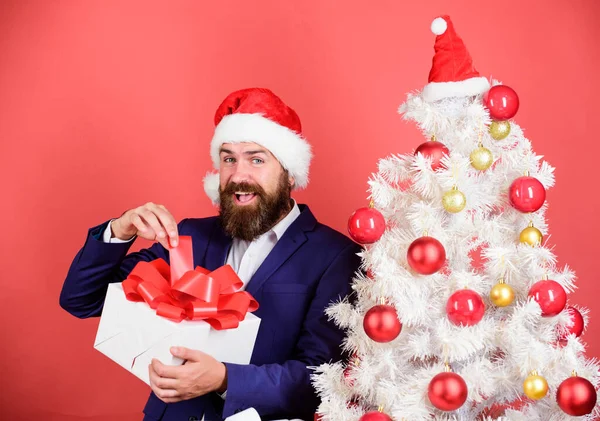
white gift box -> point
(131, 334)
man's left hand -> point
(200, 374)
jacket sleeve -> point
(285, 390)
(95, 266)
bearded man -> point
(292, 265)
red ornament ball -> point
(575, 326)
(576, 396)
(527, 194)
(447, 391)
(366, 225)
(375, 416)
(426, 255)
(433, 150)
(465, 308)
(550, 295)
(502, 102)
(381, 323)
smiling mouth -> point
(244, 197)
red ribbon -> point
(180, 292)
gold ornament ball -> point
(535, 386)
(499, 130)
(481, 158)
(531, 235)
(502, 295)
(454, 201)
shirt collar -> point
(280, 228)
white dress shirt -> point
(246, 256)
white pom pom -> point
(439, 26)
(211, 186)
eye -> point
(229, 160)
(257, 161)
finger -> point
(157, 368)
(172, 400)
(166, 383)
(159, 233)
(168, 223)
(153, 375)
(187, 354)
(165, 395)
(166, 371)
(150, 218)
(161, 382)
(140, 225)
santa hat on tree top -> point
(452, 72)
(259, 116)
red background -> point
(105, 105)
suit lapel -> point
(291, 240)
(217, 249)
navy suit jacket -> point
(310, 266)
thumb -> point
(186, 353)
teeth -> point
(242, 193)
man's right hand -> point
(150, 221)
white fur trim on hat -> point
(435, 91)
(290, 148)
(211, 186)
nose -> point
(241, 173)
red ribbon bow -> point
(181, 292)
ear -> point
(292, 181)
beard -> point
(251, 221)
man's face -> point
(254, 190)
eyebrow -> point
(253, 152)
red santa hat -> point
(452, 73)
(259, 116)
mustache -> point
(233, 187)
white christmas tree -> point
(460, 312)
